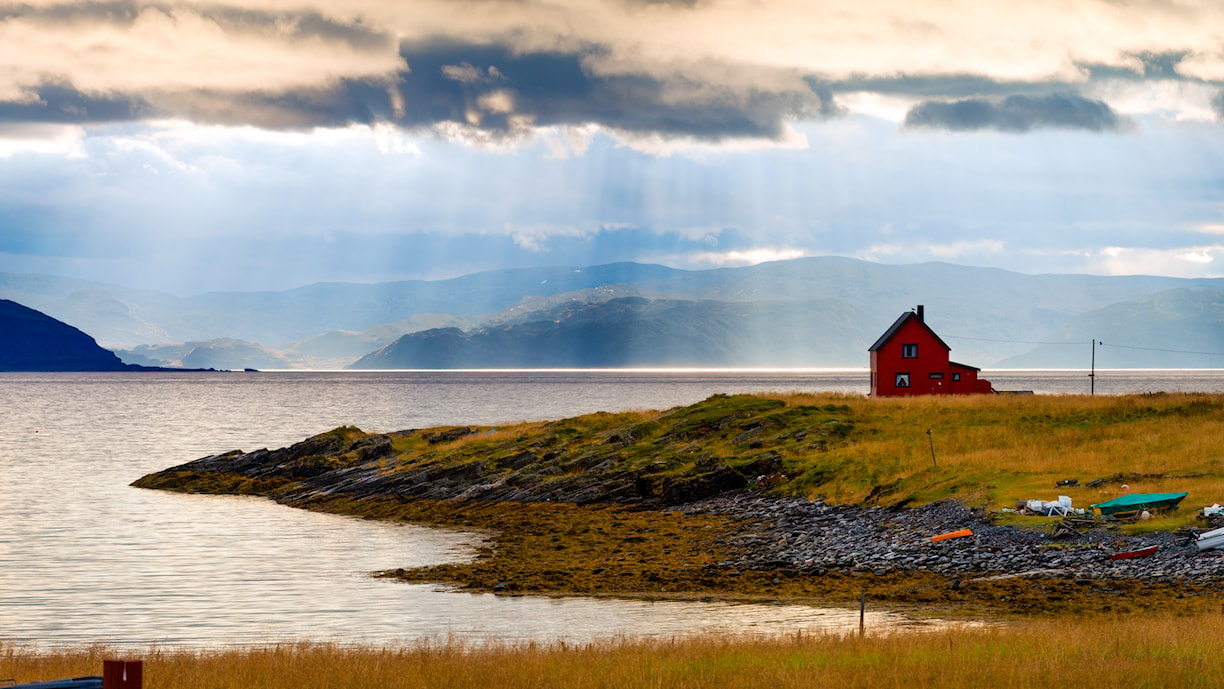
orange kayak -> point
(951, 534)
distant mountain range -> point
(806, 312)
(1179, 328)
(633, 331)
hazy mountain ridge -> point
(633, 331)
(1180, 328)
(990, 317)
(277, 318)
(222, 353)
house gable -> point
(898, 325)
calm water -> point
(85, 558)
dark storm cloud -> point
(350, 102)
(61, 104)
(1016, 113)
(448, 82)
(942, 85)
(453, 84)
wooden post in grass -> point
(862, 611)
(932, 441)
(122, 674)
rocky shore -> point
(816, 538)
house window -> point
(902, 380)
(955, 376)
(936, 376)
(909, 351)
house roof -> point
(897, 325)
(964, 366)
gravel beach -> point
(813, 537)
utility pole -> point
(1092, 373)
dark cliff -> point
(33, 341)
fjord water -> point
(86, 558)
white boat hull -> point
(1210, 539)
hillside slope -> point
(33, 341)
(634, 331)
(1182, 328)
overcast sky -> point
(266, 144)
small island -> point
(804, 498)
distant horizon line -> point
(698, 369)
(332, 281)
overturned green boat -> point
(1137, 502)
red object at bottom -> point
(122, 674)
(1136, 554)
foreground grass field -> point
(1157, 652)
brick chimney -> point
(921, 317)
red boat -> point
(1136, 554)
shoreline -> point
(692, 502)
(724, 561)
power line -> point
(987, 339)
(1103, 344)
(1154, 349)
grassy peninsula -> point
(610, 504)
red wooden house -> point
(910, 359)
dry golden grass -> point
(1132, 652)
(995, 450)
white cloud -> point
(877, 105)
(385, 138)
(664, 146)
(1037, 40)
(747, 257)
(1189, 262)
(178, 48)
(1186, 101)
(926, 251)
(534, 237)
(43, 139)
(465, 73)
(1206, 65)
